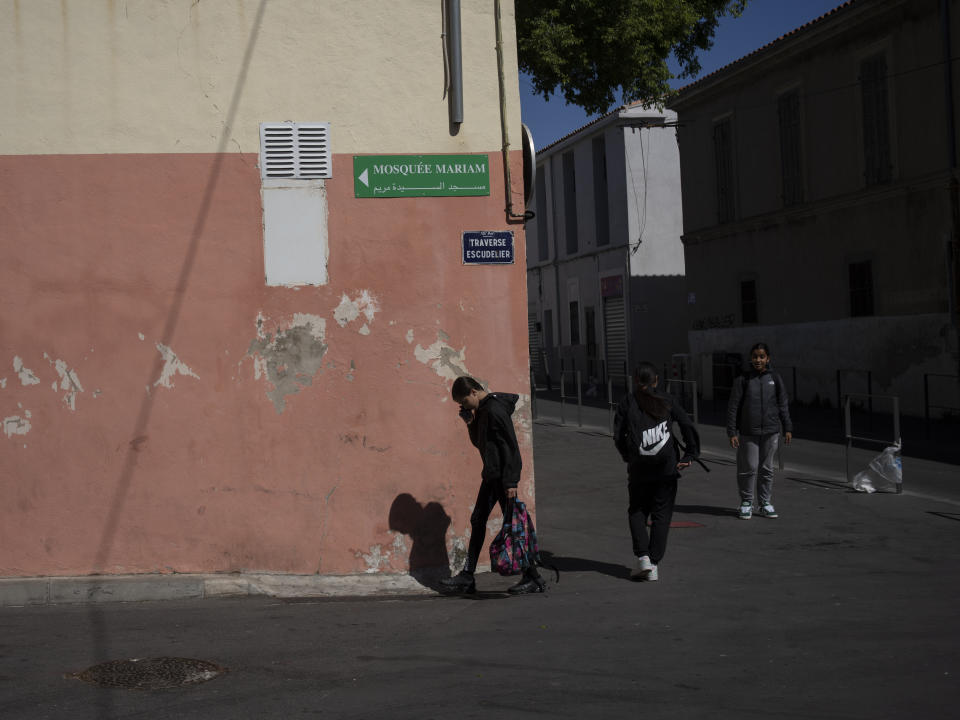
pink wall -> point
(206, 475)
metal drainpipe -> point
(954, 189)
(511, 215)
(456, 61)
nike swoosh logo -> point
(656, 448)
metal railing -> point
(694, 408)
(927, 405)
(848, 427)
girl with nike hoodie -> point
(643, 434)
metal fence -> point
(849, 400)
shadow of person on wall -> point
(427, 527)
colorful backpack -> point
(515, 548)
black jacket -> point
(491, 431)
(758, 405)
(628, 424)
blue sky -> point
(762, 22)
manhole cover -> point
(150, 673)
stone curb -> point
(17, 592)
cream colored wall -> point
(167, 76)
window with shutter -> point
(294, 162)
(295, 151)
(876, 120)
(788, 112)
(723, 162)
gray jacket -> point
(758, 405)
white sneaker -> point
(643, 569)
(746, 511)
(652, 575)
(767, 511)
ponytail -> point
(645, 377)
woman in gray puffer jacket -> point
(755, 413)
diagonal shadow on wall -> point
(99, 630)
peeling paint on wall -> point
(291, 359)
(410, 336)
(376, 559)
(17, 424)
(68, 381)
(457, 551)
(446, 361)
(349, 310)
(26, 374)
(3, 383)
(172, 366)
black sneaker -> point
(527, 586)
(462, 582)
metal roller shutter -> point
(615, 336)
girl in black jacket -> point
(757, 409)
(643, 436)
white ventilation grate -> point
(297, 151)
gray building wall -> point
(799, 254)
(643, 213)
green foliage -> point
(596, 49)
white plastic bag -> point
(884, 474)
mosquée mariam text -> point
(430, 169)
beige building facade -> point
(227, 345)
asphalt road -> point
(844, 607)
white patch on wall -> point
(26, 374)
(363, 304)
(400, 545)
(447, 362)
(294, 157)
(17, 424)
(68, 381)
(410, 336)
(3, 383)
(172, 365)
(375, 559)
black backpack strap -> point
(681, 450)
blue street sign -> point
(488, 247)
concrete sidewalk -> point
(844, 607)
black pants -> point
(653, 498)
(491, 492)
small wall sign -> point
(488, 247)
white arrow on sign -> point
(363, 178)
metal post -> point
(696, 405)
(896, 435)
(610, 402)
(533, 396)
(579, 402)
(839, 395)
(562, 379)
(846, 429)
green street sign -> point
(376, 176)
